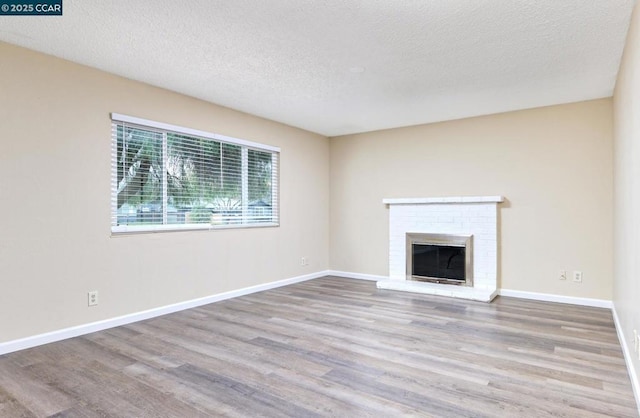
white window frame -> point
(164, 128)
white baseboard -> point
(548, 297)
(628, 359)
(598, 303)
(359, 276)
(63, 334)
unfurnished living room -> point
(302, 208)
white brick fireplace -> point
(475, 216)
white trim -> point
(188, 131)
(63, 334)
(138, 229)
(548, 297)
(449, 199)
(628, 358)
(359, 276)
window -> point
(166, 177)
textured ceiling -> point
(300, 62)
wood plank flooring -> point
(333, 347)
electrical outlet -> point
(577, 276)
(304, 261)
(562, 275)
(93, 298)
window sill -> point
(135, 230)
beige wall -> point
(553, 164)
(55, 242)
(626, 262)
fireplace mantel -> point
(449, 199)
(476, 216)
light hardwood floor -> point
(333, 347)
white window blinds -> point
(166, 177)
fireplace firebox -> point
(440, 258)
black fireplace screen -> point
(438, 261)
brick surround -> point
(477, 216)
